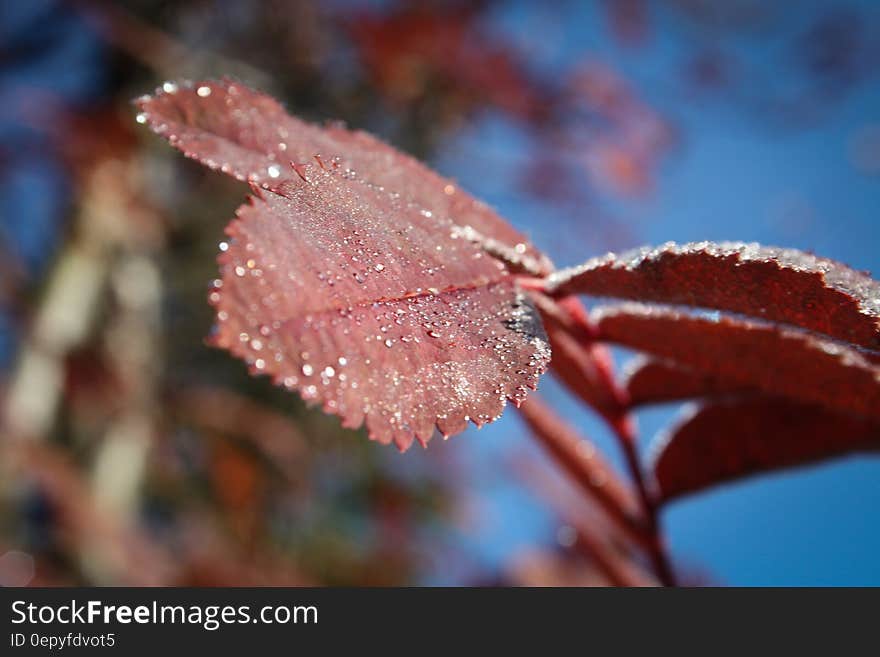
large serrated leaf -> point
(332, 287)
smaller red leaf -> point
(781, 362)
(727, 440)
(780, 285)
(653, 381)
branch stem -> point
(624, 429)
(622, 424)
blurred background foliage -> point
(132, 453)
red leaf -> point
(739, 437)
(359, 301)
(781, 285)
(413, 51)
(652, 381)
(227, 126)
(782, 362)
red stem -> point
(624, 429)
(591, 473)
(621, 422)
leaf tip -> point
(300, 169)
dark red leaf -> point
(355, 298)
(782, 362)
(227, 126)
(652, 381)
(780, 285)
(727, 440)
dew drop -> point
(224, 246)
(259, 363)
(342, 360)
(307, 369)
(389, 342)
(203, 91)
(586, 450)
(274, 171)
(169, 88)
(379, 267)
(239, 271)
(141, 117)
(329, 371)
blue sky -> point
(734, 177)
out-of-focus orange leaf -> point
(415, 50)
(229, 413)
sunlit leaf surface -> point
(353, 297)
(229, 127)
(780, 285)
